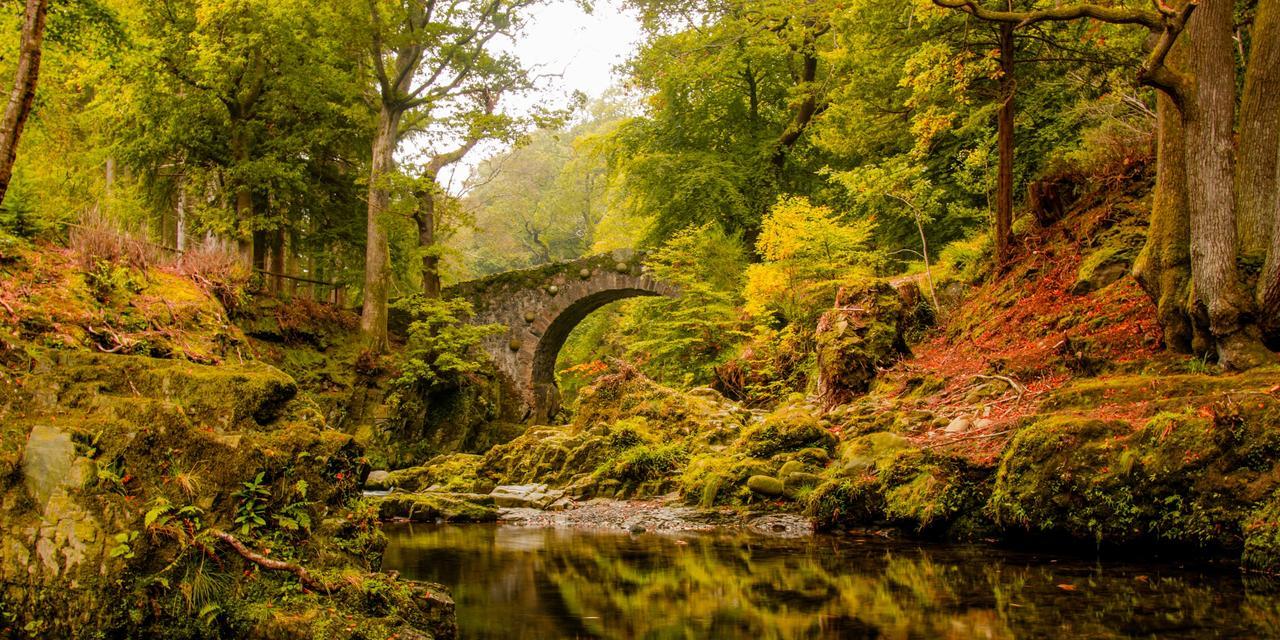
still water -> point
(519, 583)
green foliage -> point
(645, 462)
(123, 544)
(441, 347)
(808, 253)
(681, 339)
(251, 506)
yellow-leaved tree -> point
(808, 252)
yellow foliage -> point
(808, 253)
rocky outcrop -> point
(130, 483)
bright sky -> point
(586, 47)
(560, 38)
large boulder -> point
(864, 332)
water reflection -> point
(524, 584)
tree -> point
(1204, 94)
(246, 105)
(542, 200)
(423, 56)
(23, 94)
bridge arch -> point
(541, 306)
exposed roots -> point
(304, 576)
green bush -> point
(442, 347)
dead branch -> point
(1013, 384)
(304, 576)
(979, 436)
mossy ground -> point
(118, 470)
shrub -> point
(96, 240)
(217, 269)
(442, 348)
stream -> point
(523, 583)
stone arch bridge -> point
(540, 306)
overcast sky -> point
(561, 38)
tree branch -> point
(304, 576)
(1164, 20)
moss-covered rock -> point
(845, 502)
(1050, 480)
(863, 333)
(1198, 477)
(766, 486)
(790, 428)
(125, 475)
(436, 507)
(453, 472)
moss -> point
(500, 285)
(436, 507)
(451, 472)
(1192, 477)
(644, 462)
(1262, 537)
(174, 445)
(857, 338)
(766, 486)
(793, 483)
(790, 428)
(844, 503)
(928, 490)
(870, 453)
(1101, 268)
(1049, 480)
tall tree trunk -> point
(1258, 182)
(275, 260)
(23, 94)
(1004, 181)
(1269, 289)
(425, 217)
(287, 243)
(180, 224)
(1259, 191)
(243, 231)
(1164, 266)
(1209, 114)
(377, 255)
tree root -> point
(304, 576)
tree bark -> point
(23, 94)
(275, 260)
(1164, 266)
(180, 224)
(1258, 182)
(425, 217)
(243, 231)
(1208, 116)
(377, 269)
(1004, 181)
(1260, 132)
(805, 110)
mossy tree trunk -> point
(377, 257)
(1208, 112)
(1260, 158)
(1164, 266)
(23, 94)
(1258, 169)
(1004, 182)
(425, 218)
